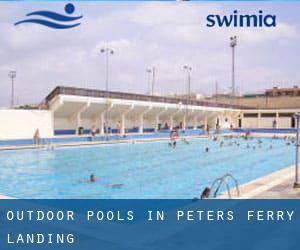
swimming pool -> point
(147, 170)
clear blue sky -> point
(167, 35)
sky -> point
(144, 34)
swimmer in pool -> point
(207, 149)
(185, 141)
(117, 185)
(92, 178)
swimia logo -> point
(52, 19)
(242, 20)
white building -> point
(70, 109)
(74, 108)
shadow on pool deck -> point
(278, 185)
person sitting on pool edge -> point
(205, 193)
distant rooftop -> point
(276, 91)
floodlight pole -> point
(297, 182)
(149, 72)
(12, 75)
(233, 44)
(188, 69)
(153, 80)
(217, 91)
(107, 51)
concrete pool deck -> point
(277, 185)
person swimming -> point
(117, 185)
(93, 178)
(207, 149)
(185, 141)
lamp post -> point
(297, 181)
(188, 69)
(233, 44)
(217, 91)
(153, 72)
(153, 79)
(107, 51)
(149, 72)
(12, 75)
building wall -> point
(284, 122)
(266, 122)
(250, 122)
(262, 102)
(64, 123)
(22, 124)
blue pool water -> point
(147, 170)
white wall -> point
(284, 122)
(249, 122)
(64, 123)
(22, 124)
(266, 122)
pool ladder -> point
(223, 180)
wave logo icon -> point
(53, 20)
